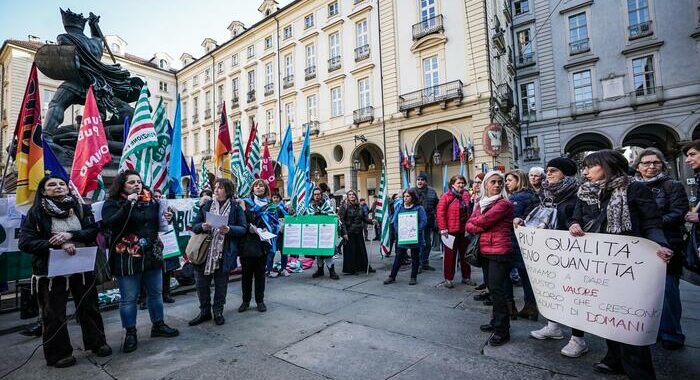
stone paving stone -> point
(316, 299)
(451, 327)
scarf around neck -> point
(59, 207)
(618, 212)
(216, 248)
(650, 181)
(486, 202)
(560, 191)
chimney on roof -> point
(33, 38)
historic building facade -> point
(606, 74)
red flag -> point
(249, 145)
(91, 151)
(29, 155)
(222, 150)
(267, 170)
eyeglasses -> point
(650, 163)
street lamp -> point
(356, 164)
(317, 175)
(437, 158)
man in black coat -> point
(428, 198)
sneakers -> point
(285, 273)
(448, 284)
(468, 282)
(551, 331)
(576, 348)
(273, 274)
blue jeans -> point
(270, 263)
(400, 253)
(670, 328)
(129, 288)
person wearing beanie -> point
(492, 219)
(558, 193)
(428, 198)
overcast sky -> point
(173, 26)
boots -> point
(332, 274)
(513, 310)
(318, 273)
(130, 341)
(160, 329)
(529, 312)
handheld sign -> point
(408, 228)
(608, 285)
(310, 235)
(170, 246)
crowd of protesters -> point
(604, 194)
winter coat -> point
(450, 216)
(644, 214)
(352, 219)
(428, 198)
(422, 221)
(672, 201)
(524, 201)
(495, 226)
(36, 231)
(237, 229)
(134, 243)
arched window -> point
(163, 64)
(115, 48)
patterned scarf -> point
(558, 192)
(322, 208)
(59, 207)
(216, 248)
(649, 181)
(618, 211)
(268, 212)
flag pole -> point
(4, 172)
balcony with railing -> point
(526, 59)
(235, 101)
(580, 46)
(504, 97)
(428, 26)
(288, 81)
(640, 30)
(363, 115)
(207, 114)
(269, 89)
(499, 41)
(195, 119)
(584, 107)
(310, 72)
(251, 96)
(334, 63)
(646, 95)
(441, 93)
(270, 138)
(362, 53)
(314, 127)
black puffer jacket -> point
(672, 201)
(565, 210)
(645, 216)
(36, 232)
(428, 198)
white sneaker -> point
(575, 348)
(285, 273)
(547, 332)
(274, 274)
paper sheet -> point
(170, 247)
(97, 210)
(216, 221)
(448, 240)
(61, 263)
(326, 236)
(292, 236)
(265, 235)
(309, 236)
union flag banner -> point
(267, 169)
(30, 152)
(91, 150)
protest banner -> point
(608, 285)
(408, 228)
(311, 235)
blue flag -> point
(126, 128)
(445, 182)
(286, 157)
(194, 180)
(175, 165)
(51, 164)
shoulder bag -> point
(473, 253)
(198, 248)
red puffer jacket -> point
(448, 213)
(494, 226)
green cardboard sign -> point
(310, 235)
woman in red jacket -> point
(452, 214)
(493, 220)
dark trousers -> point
(400, 254)
(253, 267)
(498, 271)
(634, 360)
(670, 329)
(220, 278)
(529, 295)
(426, 247)
(52, 303)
